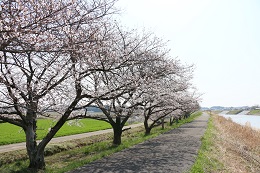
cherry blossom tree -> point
(67, 55)
(47, 50)
(136, 53)
(162, 97)
(189, 102)
(175, 116)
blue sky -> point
(221, 37)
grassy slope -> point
(216, 112)
(254, 112)
(228, 147)
(234, 112)
(77, 153)
(14, 134)
(206, 160)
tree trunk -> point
(187, 115)
(163, 123)
(37, 161)
(117, 136)
(35, 153)
(146, 126)
(147, 131)
(36, 156)
(118, 129)
(171, 121)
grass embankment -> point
(70, 155)
(14, 134)
(228, 147)
(234, 112)
(216, 112)
(254, 112)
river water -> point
(243, 119)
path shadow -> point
(173, 151)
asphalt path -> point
(172, 152)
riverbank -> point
(252, 121)
(228, 147)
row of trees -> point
(67, 55)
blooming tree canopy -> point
(65, 55)
(47, 50)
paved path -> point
(20, 146)
(172, 152)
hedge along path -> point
(174, 151)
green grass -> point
(234, 112)
(91, 149)
(216, 112)
(14, 134)
(254, 112)
(205, 161)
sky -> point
(220, 37)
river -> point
(254, 120)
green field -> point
(216, 112)
(254, 112)
(234, 112)
(14, 134)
